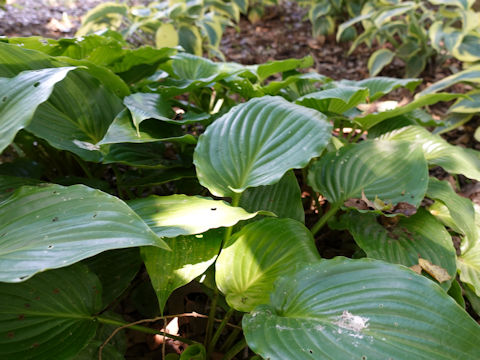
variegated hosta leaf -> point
(49, 316)
(460, 209)
(381, 85)
(257, 255)
(454, 159)
(21, 95)
(255, 143)
(403, 240)
(360, 309)
(283, 198)
(467, 105)
(470, 75)
(335, 100)
(391, 171)
(190, 257)
(468, 262)
(170, 216)
(378, 60)
(51, 226)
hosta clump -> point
(160, 163)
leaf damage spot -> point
(36, 84)
(352, 322)
(435, 271)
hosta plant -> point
(419, 32)
(202, 171)
(196, 26)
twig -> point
(133, 324)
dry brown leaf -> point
(437, 272)
(417, 268)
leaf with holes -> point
(21, 95)
(52, 226)
(360, 309)
(49, 316)
(255, 143)
(170, 216)
(257, 255)
(392, 171)
(190, 257)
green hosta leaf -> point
(190, 257)
(370, 120)
(122, 130)
(255, 143)
(403, 242)
(336, 100)
(109, 352)
(150, 155)
(381, 85)
(8, 184)
(21, 95)
(415, 65)
(191, 72)
(145, 106)
(470, 75)
(257, 255)
(283, 198)
(392, 171)
(378, 60)
(174, 215)
(115, 269)
(50, 315)
(354, 309)
(268, 69)
(437, 151)
(76, 116)
(460, 209)
(295, 82)
(53, 226)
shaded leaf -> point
(49, 316)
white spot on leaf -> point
(351, 322)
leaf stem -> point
(332, 211)
(211, 317)
(235, 349)
(216, 336)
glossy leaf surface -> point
(257, 255)
(255, 143)
(404, 240)
(392, 171)
(174, 215)
(454, 159)
(21, 95)
(52, 226)
(349, 309)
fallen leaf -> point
(417, 268)
(437, 272)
